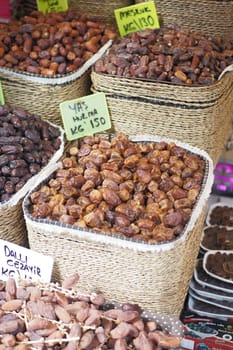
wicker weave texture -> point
(42, 99)
(12, 225)
(200, 116)
(213, 17)
(157, 281)
(103, 10)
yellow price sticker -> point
(2, 99)
(47, 6)
(85, 116)
(136, 17)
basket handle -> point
(227, 69)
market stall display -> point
(29, 145)
(127, 212)
(170, 82)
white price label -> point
(22, 263)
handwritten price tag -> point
(20, 262)
(47, 6)
(85, 116)
(136, 17)
(2, 100)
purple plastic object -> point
(223, 178)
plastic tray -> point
(205, 259)
(216, 229)
(212, 207)
(199, 308)
(206, 280)
(208, 292)
(228, 305)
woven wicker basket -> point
(156, 276)
(213, 17)
(103, 10)
(12, 224)
(200, 115)
(12, 227)
(42, 95)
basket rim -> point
(101, 237)
(57, 79)
(228, 69)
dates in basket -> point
(27, 143)
(51, 44)
(143, 191)
(50, 316)
(170, 54)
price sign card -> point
(2, 100)
(85, 116)
(47, 6)
(136, 17)
(19, 262)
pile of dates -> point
(217, 238)
(221, 215)
(40, 316)
(27, 143)
(51, 44)
(169, 54)
(220, 264)
(144, 191)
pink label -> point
(5, 12)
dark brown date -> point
(26, 145)
(172, 54)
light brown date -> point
(26, 145)
(142, 198)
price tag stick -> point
(2, 100)
(136, 17)
(85, 116)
